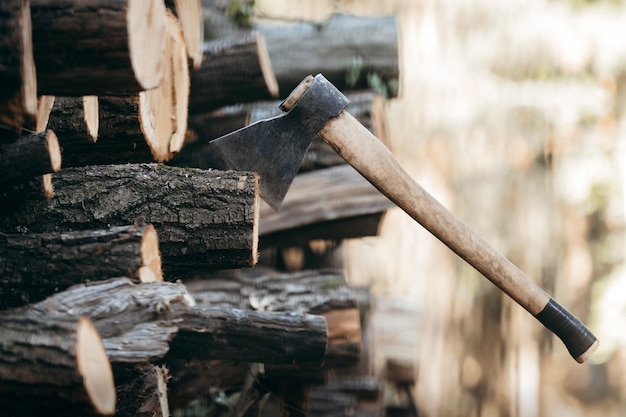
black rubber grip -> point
(576, 337)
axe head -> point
(275, 148)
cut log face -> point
(18, 95)
(36, 265)
(53, 367)
(189, 14)
(142, 391)
(122, 54)
(204, 219)
(180, 81)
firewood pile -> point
(139, 276)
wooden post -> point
(18, 95)
(234, 69)
(53, 367)
(121, 54)
(36, 265)
(204, 219)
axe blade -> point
(275, 148)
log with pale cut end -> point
(204, 219)
(75, 122)
(28, 156)
(234, 69)
(53, 367)
(179, 73)
(36, 265)
(189, 14)
(18, 94)
(38, 188)
(121, 54)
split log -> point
(334, 203)
(189, 14)
(137, 322)
(75, 121)
(142, 391)
(29, 156)
(35, 265)
(234, 69)
(53, 367)
(366, 106)
(148, 126)
(323, 293)
(18, 95)
(352, 52)
(121, 54)
(204, 219)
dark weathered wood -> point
(360, 396)
(122, 54)
(323, 292)
(141, 391)
(29, 156)
(75, 122)
(141, 323)
(317, 204)
(18, 94)
(348, 50)
(234, 69)
(53, 367)
(36, 265)
(189, 14)
(204, 219)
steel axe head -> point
(275, 148)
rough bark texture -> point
(121, 54)
(18, 95)
(141, 391)
(322, 293)
(38, 188)
(29, 156)
(75, 122)
(204, 219)
(348, 50)
(36, 265)
(317, 205)
(141, 323)
(40, 372)
(234, 69)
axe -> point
(275, 148)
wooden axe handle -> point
(377, 164)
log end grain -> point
(147, 39)
(191, 19)
(181, 82)
(344, 336)
(44, 107)
(266, 66)
(92, 121)
(151, 270)
(93, 364)
(52, 144)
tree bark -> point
(234, 69)
(142, 391)
(18, 95)
(351, 51)
(121, 54)
(189, 14)
(35, 265)
(318, 204)
(53, 367)
(75, 122)
(29, 156)
(204, 219)
(137, 322)
(322, 293)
